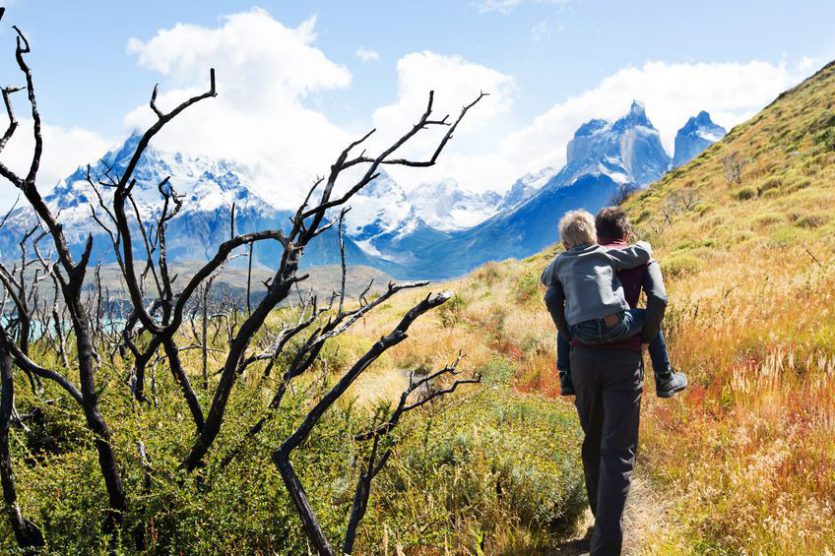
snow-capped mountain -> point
(390, 224)
(697, 134)
(446, 206)
(603, 160)
(524, 188)
(208, 189)
(207, 186)
(437, 230)
(628, 150)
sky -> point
(297, 81)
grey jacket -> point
(652, 284)
(588, 275)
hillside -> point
(747, 453)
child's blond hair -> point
(577, 228)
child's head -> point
(577, 228)
(612, 223)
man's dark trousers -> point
(608, 385)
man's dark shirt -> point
(647, 278)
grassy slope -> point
(750, 449)
(748, 452)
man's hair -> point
(612, 223)
(577, 228)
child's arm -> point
(555, 302)
(548, 275)
(631, 257)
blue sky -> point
(551, 64)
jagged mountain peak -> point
(628, 150)
(636, 117)
(695, 136)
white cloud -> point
(506, 6)
(65, 149)
(264, 73)
(456, 82)
(367, 55)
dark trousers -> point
(608, 385)
(658, 355)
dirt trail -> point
(649, 528)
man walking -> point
(608, 382)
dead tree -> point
(308, 223)
(27, 534)
(70, 274)
(732, 165)
(376, 460)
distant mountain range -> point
(438, 230)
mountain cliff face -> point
(628, 150)
(697, 134)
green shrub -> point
(526, 288)
(677, 265)
(703, 209)
(768, 219)
(452, 312)
(799, 184)
(815, 220)
(783, 236)
(826, 138)
(770, 184)
(498, 372)
(501, 466)
(745, 193)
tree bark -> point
(26, 533)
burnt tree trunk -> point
(26, 533)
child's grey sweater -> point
(588, 277)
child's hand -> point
(644, 348)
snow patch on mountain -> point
(447, 206)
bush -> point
(452, 312)
(502, 470)
(498, 372)
(812, 220)
(769, 184)
(526, 288)
(677, 265)
(768, 219)
(783, 236)
(745, 193)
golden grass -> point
(747, 454)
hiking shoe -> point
(566, 388)
(666, 386)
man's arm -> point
(555, 302)
(653, 286)
(630, 257)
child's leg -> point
(631, 323)
(563, 351)
(659, 356)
